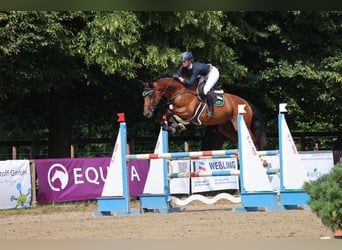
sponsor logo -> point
(314, 174)
(58, 177)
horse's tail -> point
(258, 127)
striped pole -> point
(215, 173)
(268, 152)
(196, 154)
(181, 155)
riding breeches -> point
(213, 76)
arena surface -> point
(196, 221)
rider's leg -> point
(210, 96)
(213, 76)
(211, 104)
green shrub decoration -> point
(326, 197)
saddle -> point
(216, 91)
(219, 101)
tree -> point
(296, 58)
(144, 44)
(39, 72)
(73, 71)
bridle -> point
(151, 89)
(147, 92)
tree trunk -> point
(338, 143)
(60, 125)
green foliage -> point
(109, 41)
(35, 62)
(326, 197)
(96, 58)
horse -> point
(188, 105)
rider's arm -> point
(190, 82)
(179, 74)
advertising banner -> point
(180, 185)
(15, 184)
(204, 184)
(62, 180)
(137, 174)
(316, 163)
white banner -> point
(180, 185)
(316, 163)
(15, 184)
(205, 184)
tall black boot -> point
(211, 104)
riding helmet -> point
(187, 56)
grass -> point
(39, 209)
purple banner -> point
(137, 174)
(75, 179)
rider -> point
(199, 69)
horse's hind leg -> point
(228, 130)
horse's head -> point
(151, 98)
(162, 86)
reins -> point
(182, 93)
(186, 90)
(170, 100)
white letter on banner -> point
(95, 180)
(76, 175)
(134, 174)
(102, 173)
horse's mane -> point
(166, 74)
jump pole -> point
(292, 171)
(160, 201)
(256, 190)
(254, 195)
(156, 196)
(215, 173)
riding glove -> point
(175, 76)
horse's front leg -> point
(167, 123)
(172, 125)
(176, 125)
(180, 126)
(166, 126)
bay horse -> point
(187, 105)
